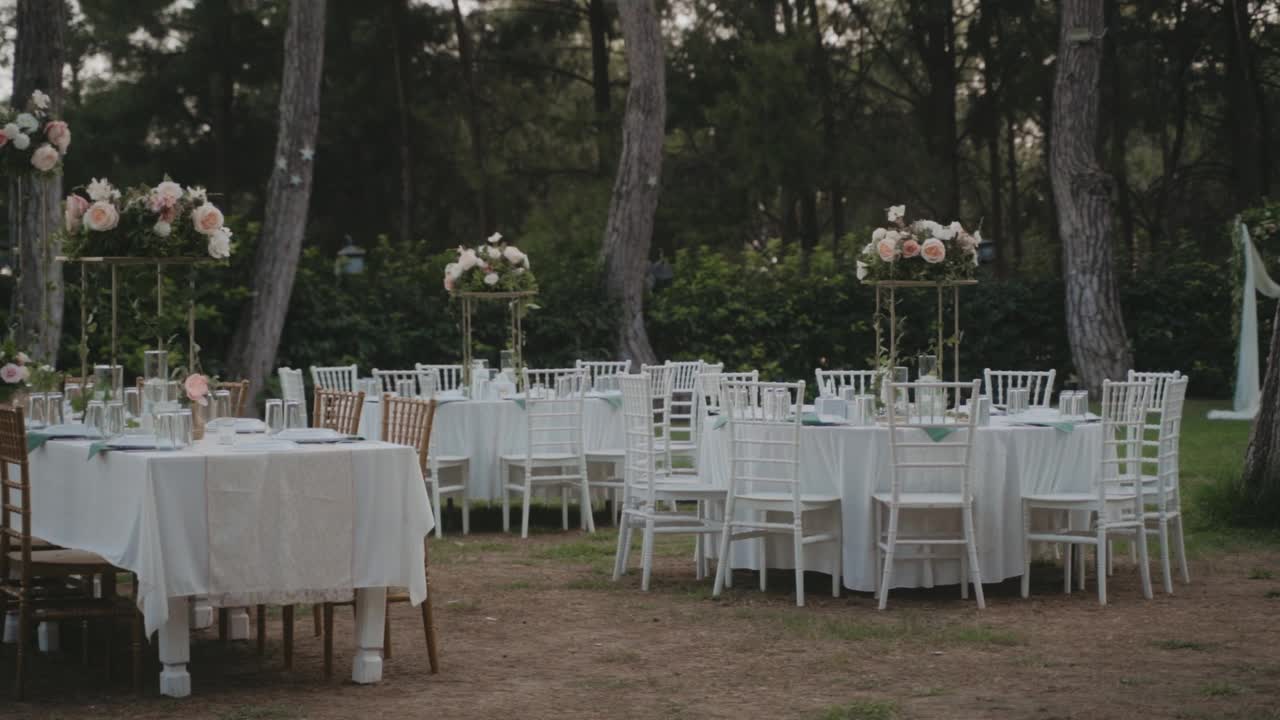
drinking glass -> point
(117, 381)
(114, 424)
(37, 408)
(275, 416)
(173, 391)
(102, 382)
(507, 361)
(155, 365)
(900, 376)
(53, 413)
(95, 415)
(132, 402)
(181, 429)
(293, 418)
(164, 430)
(537, 392)
(927, 366)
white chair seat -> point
(923, 500)
(781, 497)
(606, 455)
(450, 460)
(540, 458)
(1078, 498)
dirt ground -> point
(536, 629)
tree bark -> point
(598, 22)
(629, 230)
(1262, 458)
(479, 148)
(253, 349)
(1015, 210)
(35, 212)
(400, 63)
(1082, 193)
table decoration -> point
(493, 272)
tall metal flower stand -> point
(890, 288)
(517, 305)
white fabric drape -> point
(1256, 280)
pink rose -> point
(11, 374)
(887, 249)
(910, 249)
(206, 218)
(101, 216)
(73, 211)
(45, 158)
(59, 134)
(169, 214)
(933, 250)
(448, 283)
(4, 139)
(197, 387)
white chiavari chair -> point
(340, 377)
(553, 456)
(293, 389)
(649, 484)
(389, 381)
(684, 409)
(711, 384)
(997, 384)
(447, 378)
(929, 476)
(832, 382)
(1114, 505)
(1161, 481)
(596, 369)
(764, 481)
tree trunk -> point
(1262, 459)
(1248, 144)
(629, 231)
(1082, 194)
(598, 20)
(35, 207)
(830, 133)
(253, 349)
(400, 63)
(1015, 210)
(934, 29)
(479, 149)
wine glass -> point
(275, 416)
(293, 415)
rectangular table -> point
(176, 520)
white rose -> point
(878, 235)
(491, 279)
(512, 254)
(45, 158)
(220, 243)
(467, 259)
(453, 270)
(169, 190)
(495, 238)
(101, 216)
(100, 190)
(23, 358)
(955, 225)
(897, 212)
(27, 122)
(206, 219)
(163, 228)
(197, 194)
(11, 131)
(40, 100)
(943, 233)
(493, 253)
(892, 236)
(862, 270)
(22, 142)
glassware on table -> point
(537, 391)
(163, 430)
(95, 415)
(1080, 403)
(982, 406)
(182, 428)
(114, 423)
(293, 418)
(155, 365)
(1066, 403)
(927, 366)
(37, 408)
(173, 391)
(275, 416)
(220, 410)
(507, 361)
(102, 382)
(132, 402)
(900, 376)
(53, 412)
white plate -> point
(132, 442)
(71, 430)
(263, 446)
(244, 426)
(311, 435)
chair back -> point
(239, 390)
(553, 408)
(685, 403)
(712, 383)
(1161, 439)
(1039, 382)
(832, 382)
(389, 381)
(1159, 385)
(408, 421)
(293, 389)
(596, 369)
(15, 512)
(764, 438)
(339, 377)
(338, 410)
(932, 446)
(1124, 413)
(645, 463)
(447, 378)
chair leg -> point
(505, 472)
(224, 624)
(588, 516)
(838, 566)
(876, 510)
(1111, 558)
(971, 541)
(435, 504)
(262, 629)
(1181, 549)
(466, 503)
(136, 641)
(528, 494)
(619, 563)
(646, 554)
(564, 507)
(891, 542)
(1104, 558)
(1164, 555)
(24, 639)
(317, 621)
(1144, 560)
(723, 571)
(1067, 551)
(286, 617)
(762, 558)
(797, 539)
(328, 641)
(1082, 562)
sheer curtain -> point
(1256, 280)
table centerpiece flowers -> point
(164, 221)
(923, 250)
(31, 139)
(494, 267)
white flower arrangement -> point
(921, 250)
(160, 221)
(32, 139)
(495, 266)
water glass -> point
(114, 424)
(537, 392)
(900, 376)
(155, 365)
(132, 402)
(293, 418)
(507, 361)
(982, 406)
(95, 415)
(275, 416)
(221, 407)
(37, 408)
(53, 413)
(1080, 406)
(164, 430)
(927, 366)
(181, 429)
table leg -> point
(371, 613)
(239, 624)
(201, 613)
(48, 637)
(175, 649)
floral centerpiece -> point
(31, 139)
(161, 221)
(921, 250)
(495, 266)
(16, 370)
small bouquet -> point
(493, 267)
(160, 221)
(32, 139)
(15, 371)
(922, 250)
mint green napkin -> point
(96, 448)
(938, 433)
(815, 420)
(36, 440)
(1061, 426)
(614, 399)
(517, 400)
(720, 422)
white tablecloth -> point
(482, 430)
(149, 512)
(854, 463)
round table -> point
(483, 430)
(854, 463)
